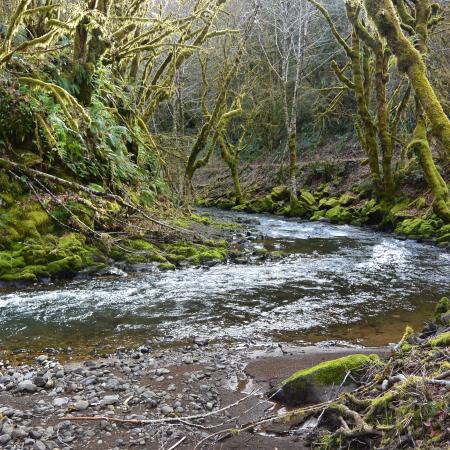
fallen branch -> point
(156, 421)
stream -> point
(338, 283)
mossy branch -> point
(64, 99)
(340, 75)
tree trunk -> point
(410, 61)
(421, 148)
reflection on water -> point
(339, 282)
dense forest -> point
(118, 119)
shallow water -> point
(339, 282)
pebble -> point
(27, 386)
(81, 405)
(59, 402)
(39, 445)
(41, 359)
(109, 400)
(166, 409)
(188, 359)
(5, 438)
(162, 371)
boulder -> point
(339, 214)
(328, 203)
(323, 381)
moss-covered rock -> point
(264, 204)
(347, 199)
(48, 256)
(441, 340)
(328, 203)
(339, 214)
(225, 203)
(417, 228)
(372, 212)
(196, 254)
(280, 194)
(318, 215)
(442, 308)
(321, 382)
(307, 198)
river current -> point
(338, 283)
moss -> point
(406, 340)
(197, 254)
(328, 203)
(444, 230)
(297, 209)
(82, 211)
(339, 214)
(66, 266)
(306, 197)
(441, 308)
(441, 340)
(280, 193)
(264, 204)
(347, 199)
(7, 199)
(334, 371)
(225, 203)
(419, 203)
(175, 258)
(417, 228)
(318, 214)
(166, 266)
(140, 244)
(240, 208)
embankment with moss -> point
(65, 234)
(342, 198)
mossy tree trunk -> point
(421, 148)
(231, 155)
(410, 61)
(89, 47)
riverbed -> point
(336, 284)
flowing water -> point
(339, 282)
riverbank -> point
(196, 395)
(333, 191)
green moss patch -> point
(442, 340)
